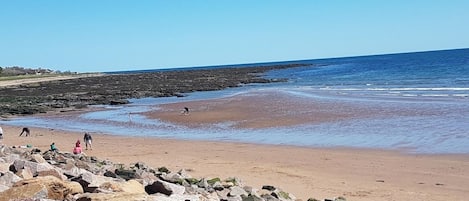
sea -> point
(423, 101)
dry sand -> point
(306, 172)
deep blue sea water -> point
(420, 101)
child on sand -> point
(77, 149)
(53, 147)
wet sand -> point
(357, 174)
(258, 110)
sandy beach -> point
(306, 172)
(357, 174)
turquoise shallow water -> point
(419, 101)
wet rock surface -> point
(114, 89)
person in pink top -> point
(77, 149)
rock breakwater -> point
(30, 174)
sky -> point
(116, 35)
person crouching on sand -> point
(77, 149)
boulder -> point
(237, 191)
(17, 165)
(147, 178)
(82, 165)
(172, 177)
(164, 187)
(90, 182)
(38, 158)
(11, 158)
(53, 172)
(9, 178)
(25, 173)
(48, 187)
(126, 174)
(71, 170)
(4, 167)
(131, 186)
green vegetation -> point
(232, 180)
(192, 180)
(164, 169)
(18, 73)
(213, 181)
(21, 77)
(284, 195)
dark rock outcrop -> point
(115, 89)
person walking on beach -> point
(26, 131)
(87, 139)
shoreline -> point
(265, 117)
(357, 174)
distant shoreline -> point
(14, 82)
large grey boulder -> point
(165, 188)
(17, 165)
(237, 191)
(90, 182)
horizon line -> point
(272, 62)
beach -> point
(356, 174)
(365, 141)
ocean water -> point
(419, 101)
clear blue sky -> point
(112, 35)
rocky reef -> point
(112, 89)
(28, 174)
